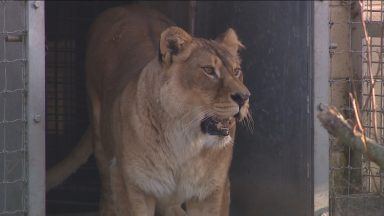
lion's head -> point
(202, 81)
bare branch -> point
(339, 127)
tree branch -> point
(343, 131)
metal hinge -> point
(308, 171)
(332, 48)
(14, 38)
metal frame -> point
(321, 69)
(36, 107)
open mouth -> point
(217, 126)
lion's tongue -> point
(223, 126)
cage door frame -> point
(321, 68)
(36, 107)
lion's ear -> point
(230, 40)
(172, 42)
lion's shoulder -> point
(121, 42)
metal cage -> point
(21, 108)
(356, 183)
(13, 158)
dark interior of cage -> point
(266, 171)
(67, 24)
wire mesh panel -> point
(356, 184)
(13, 175)
(66, 107)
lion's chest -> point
(188, 175)
(191, 181)
(194, 180)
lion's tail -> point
(79, 155)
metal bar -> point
(321, 95)
(14, 38)
(192, 16)
(36, 108)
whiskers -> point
(248, 122)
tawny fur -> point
(146, 114)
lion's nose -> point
(240, 98)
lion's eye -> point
(209, 70)
(237, 72)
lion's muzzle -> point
(240, 98)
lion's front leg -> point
(119, 193)
(106, 204)
(217, 204)
(170, 210)
(129, 200)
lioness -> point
(164, 107)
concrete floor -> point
(76, 214)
